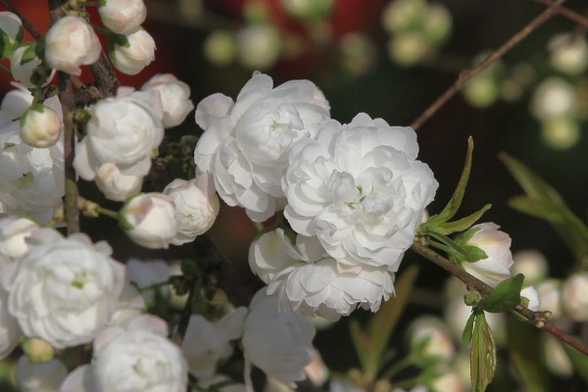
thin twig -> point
(466, 75)
(572, 15)
(25, 22)
(536, 318)
(68, 103)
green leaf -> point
(579, 360)
(468, 330)
(536, 208)
(524, 346)
(472, 253)
(505, 296)
(29, 54)
(482, 354)
(455, 202)
(463, 223)
(382, 324)
(361, 343)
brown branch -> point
(466, 75)
(106, 79)
(572, 15)
(25, 22)
(536, 318)
(68, 103)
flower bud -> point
(123, 16)
(555, 357)
(13, 245)
(439, 343)
(220, 48)
(569, 53)
(408, 48)
(39, 377)
(481, 91)
(437, 24)
(38, 350)
(402, 14)
(530, 263)
(496, 244)
(40, 127)
(32, 73)
(574, 297)
(561, 133)
(115, 185)
(70, 43)
(553, 98)
(132, 57)
(531, 297)
(150, 220)
(259, 46)
(175, 98)
(197, 206)
(550, 297)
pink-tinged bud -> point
(123, 16)
(132, 57)
(40, 127)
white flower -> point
(175, 98)
(9, 330)
(123, 16)
(136, 358)
(65, 288)
(206, 343)
(31, 179)
(553, 98)
(197, 206)
(70, 43)
(246, 143)
(569, 53)
(123, 130)
(129, 307)
(550, 297)
(40, 127)
(278, 341)
(439, 343)
(10, 24)
(150, 220)
(149, 273)
(29, 73)
(133, 57)
(360, 190)
(530, 293)
(530, 263)
(574, 297)
(115, 185)
(496, 267)
(306, 278)
(13, 233)
(39, 377)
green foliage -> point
(542, 201)
(370, 343)
(579, 360)
(482, 352)
(525, 349)
(505, 296)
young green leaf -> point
(28, 55)
(482, 354)
(468, 330)
(505, 296)
(361, 343)
(463, 223)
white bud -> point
(259, 46)
(408, 48)
(561, 133)
(569, 53)
(574, 297)
(40, 127)
(10, 24)
(39, 377)
(175, 98)
(197, 206)
(556, 358)
(439, 343)
(133, 58)
(123, 16)
(115, 185)
(220, 47)
(70, 43)
(553, 98)
(550, 297)
(402, 14)
(530, 263)
(532, 296)
(25, 73)
(150, 220)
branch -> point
(68, 103)
(536, 318)
(106, 79)
(25, 22)
(567, 13)
(466, 75)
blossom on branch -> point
(123, 16)
(175, 98)
(135, 54)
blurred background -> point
(391, 59)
